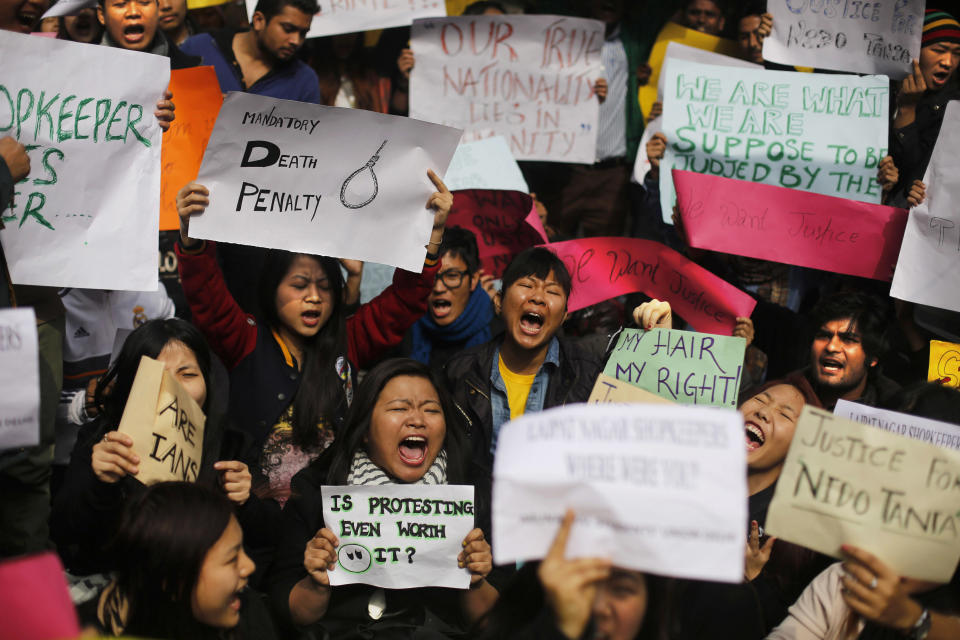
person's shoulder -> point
(468, 359)
(197, 42)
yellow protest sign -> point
(944, 363)
(673, 32)
(203, 4)
(609, 390)
(849, 483)
(166, 426)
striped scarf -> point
(364, 471)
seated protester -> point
(459, 311)
(134, 25)
(301, 340)
(568, 599)
(862, 597)
(263, 60)
(922, 98)
(401, 431)
(180, 571)
(82, 26)
(347, 75)
(705, 16)
(103, 468)
(528, 368)
(754, 25)
(174, 21)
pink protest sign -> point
(34, 600)
(603, 268)
(505, 223)
(790, 226)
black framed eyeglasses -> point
(452, 278)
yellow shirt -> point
(518, 388)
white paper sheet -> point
(485, 164)
(927, 267)
(399, 536)
(941, 434)
(338, 182)
(654, 487)
(19, 379)
(69, 8)
(89, 213)
(348, 16)
(529, 78)
(879, 36)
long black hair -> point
(325, 399)
(147, 340)
(159, 549)
(358, 426)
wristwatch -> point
(921, 627)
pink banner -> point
(35, 600)
(505, 223)
(603, 268)
(785, 225)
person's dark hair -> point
(158, 551)
(477, 8)
(321, 353)
(461, 243)
(147, 340)
(867, 314)
(751, 8)
(358, 426)
(539, 262)
(270, 8)
(928, 400)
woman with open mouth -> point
(402, 430)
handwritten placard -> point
(19, 379)
(812, 132)
(485, 164)
(684, 465)
(941, 434)
(682, 366)
(87, 123)
(399, 536)
(603, 268)
(944, 363)
(165, 424)
(879, 36)
(927, 269)
(785, 225)
(321, 180)
(197, 96)
(527, 78)
(609, 390)
(849, 483)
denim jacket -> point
(538, 390)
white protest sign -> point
(877, 36)
(485, 164)
(654, 487)
(88, 214)
(19, 379)
(321, 180)
(348, 16)
(844, 482)
(813, 132)
(941, 434)
(399, 536)
(927, 267)
(69, 8)
(528, 78)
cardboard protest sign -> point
(941, 434)
(196, 92)
(682, 366)
(882, 36)
(87, 214)
(321, 180)
(944, 363)
(349, 16)
(813, 132)
(501, 222)
(604, 268)
(399, 536)
(785, 225)
(927, 269)
(608, 390)
(166, 426)
(19, 379)
(683, 465)
(35, 599)
(850, 483)
(485, 164)
(673, 32)
(527, 78)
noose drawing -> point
(376, 187)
